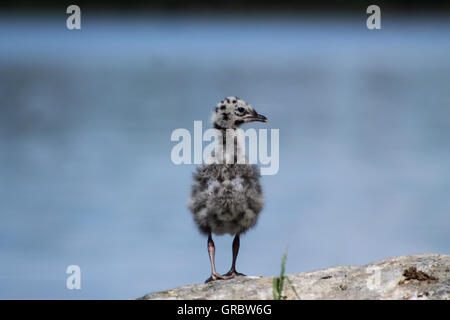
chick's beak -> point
(256, 117)
(261, 118)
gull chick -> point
(226, 196)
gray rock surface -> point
(424, 276)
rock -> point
(424, 276)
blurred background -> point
(86, 117)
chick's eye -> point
(241, 109)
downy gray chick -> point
(226, 196)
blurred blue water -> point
(86, 176)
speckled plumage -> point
(226, 198)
